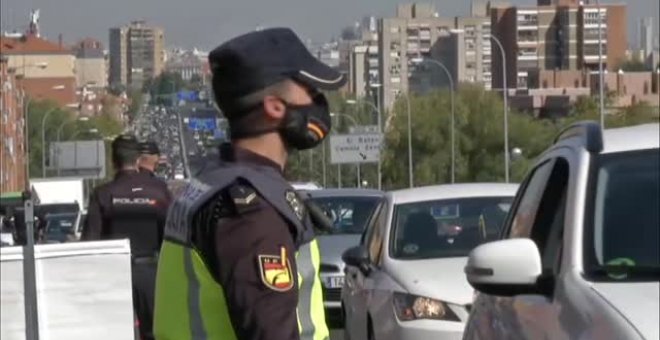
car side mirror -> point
(505, 268)
(357, 257)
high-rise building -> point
(461, 44)
(645, 35)
(363, 71)
(558, 36)
(136, 54)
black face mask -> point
(306, 126)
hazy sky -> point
(207, 23)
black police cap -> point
(254, 61)
(125, 142)
(149, 148)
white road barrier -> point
(84, 291)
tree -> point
(479, 139)
(56, 116)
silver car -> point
(405, 279)
(349, 210)
(580, 258)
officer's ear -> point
(274, 107)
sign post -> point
(29, 273)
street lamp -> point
(380, 128)
(600, 68)
(43, 141)
(453, 112)
(507, 167)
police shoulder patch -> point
(275, 271)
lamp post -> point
(380, 128)
(43, 141)
(600, 68)
(453, 112)
(507, 158)
(411, 181)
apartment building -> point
(12, 131)
(137, 54)
(91, 67)
(461, 44)
(556, 35)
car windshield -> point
(446, 228)
(624, 242)
(349, 215)
(60, 226)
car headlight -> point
(412, 307)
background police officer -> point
(132, 206)
(239, 237)
(149, 157)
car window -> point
(349, 214)
(369, 229)
(623, 224)
(548, 228)
(521, 219)
(375, 242)
(446, 228)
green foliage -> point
(64, 121)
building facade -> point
(91, 70)
(12, 132)
(556, 35)
(461, 44)
(137, 54)
(188, 64)
(43, 69)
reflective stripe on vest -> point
(311, 312)
(191, 305)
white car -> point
(405, 280)
(580, 255)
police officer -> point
(132, 206)
(149, 157)
(239, 259)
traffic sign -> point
(355, 148)
(363, 129)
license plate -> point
(334, 282)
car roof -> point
(639, 137)
(452, 191)
(347, 192)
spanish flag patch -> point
(275, 271)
